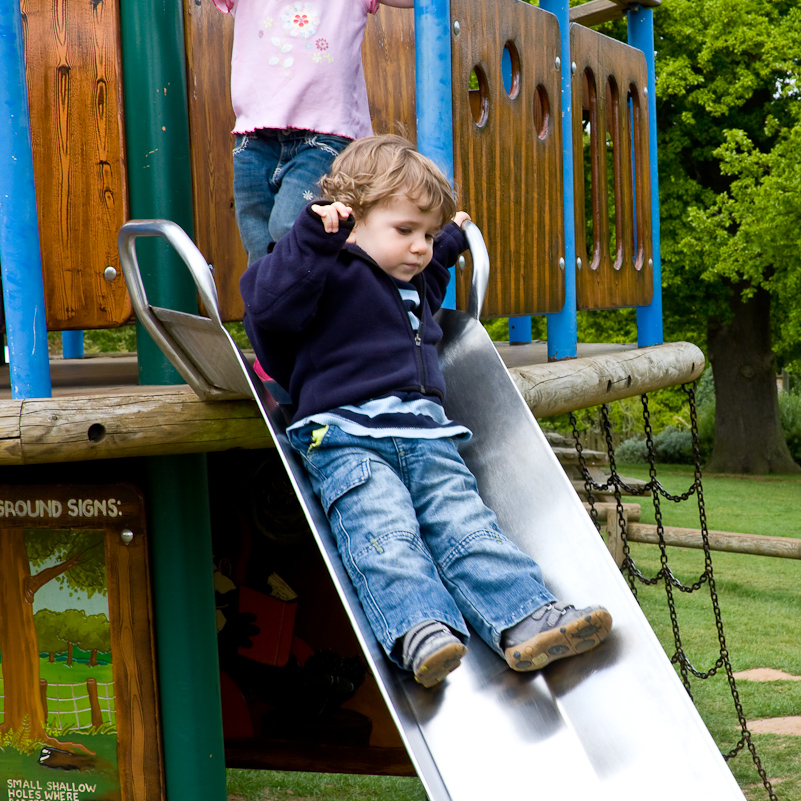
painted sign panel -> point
(78, 718)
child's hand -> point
(331, 215)
(461, 217)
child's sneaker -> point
(431, 651)
(552, 632)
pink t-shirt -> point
(299, 65)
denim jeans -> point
(415, 537)
(275, 176)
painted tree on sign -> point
(76, 560)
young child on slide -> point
(340, 312)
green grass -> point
(758, 599)
(271, 785)
(760, 606)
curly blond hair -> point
(373, 170)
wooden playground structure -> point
(122, 111)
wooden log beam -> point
(631, 511)
(151, 422)
(757, 544)
(597, 12)
(573, 384)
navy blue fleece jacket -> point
(329, 324)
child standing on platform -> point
(299, 95)
(340, 312)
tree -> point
(95, 636)
(79, 563)
(48, 632)
(729, 137)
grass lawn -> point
(760, 606)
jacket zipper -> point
(418, 340)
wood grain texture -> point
(130, 616)
(572, 384)
(615, 249)
(209, 40)
(757, 544)
(73, 59)
(145, 423)
(507, 171)
(388, 58)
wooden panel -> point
(62, 545)
(73, 68)
(508, 168)
(209, 39)
(388, 56)
(613, 223)
(148, 422)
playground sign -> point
(78, 717)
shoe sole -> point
(440, 664)
(577, 637)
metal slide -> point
(615, 723)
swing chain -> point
(633, 574)
(585, 473)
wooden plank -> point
(613, 225)
(755, 544)
(565, 386)
(73, 61)
(388, 57)
(209, 40)
(597, 12)
(10, 436)
(162, 421)
(632, 511)
(507, 167)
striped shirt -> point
(403, 414)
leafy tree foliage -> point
(729, 134)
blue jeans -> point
(415, 537)
(275, 176)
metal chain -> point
(585, 473)
(634, 575)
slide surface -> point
(615, 723)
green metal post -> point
(159, 181)
(157, 154)
(186, 634)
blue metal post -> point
(432, 44)
(519, 330)
(562, 326)
(20, 256)
(641, 36)
(519, 327)
(72, 344)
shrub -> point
(673, 446)
(633, 451)
(790, 412)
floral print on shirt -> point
(300, 20)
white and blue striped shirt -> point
(402, 414)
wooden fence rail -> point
(728, 541)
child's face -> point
(398, 236)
